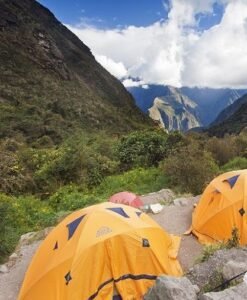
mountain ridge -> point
(174, 111)
(210, 102)
(229, 110)
(232, 120)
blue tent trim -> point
(68, 278)
(216, 191)
(232, 180)
(56, 246)
(138, 213)
(119, 211)
(73, 226)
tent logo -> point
(103, 231)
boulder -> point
(204, 273)
(164, 195)
(233, 268)
(13, 256)
(30, 237)
(237, 292)
(172, 288)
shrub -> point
(21, 215)
(141, 149)
(175, 140)
(14, 177)
(209, 250)
(139, 181)
(234, 240)
(69, 198)
(8, 219)
(190, 169)
(215, 280)
(81, 160)
(241, 143)
(222, 149)
(238, 163)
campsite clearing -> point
(175, 219)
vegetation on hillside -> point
(40, 183)
(50, 83)
(233, 124)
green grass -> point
(237, 163)
(19, 215)
(139, 181)
(208, 251)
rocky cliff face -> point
(210, 102)
(233, 124)
(230, 110)
(175, 111)
(50, 83)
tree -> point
(142, 149)
(191, 168)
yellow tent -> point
(97, 249)
(222, 207)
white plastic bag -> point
(245, 278)
(156, 208)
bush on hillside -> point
(227, 148)
(222, 149)
(82, 159)
(190, 169)
(139, 181)
(18, 216)
(175, 140)
(241, 143)
(238, 163)
(8, 235)
(70, 197)
(14, 177)
(141, 149)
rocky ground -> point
(12, 273)
(175, 218)
(202, 279)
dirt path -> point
(174, 219)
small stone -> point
(4, 269)
(181, 202)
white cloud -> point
(129, 82)
(117, 69)
(174, 51)
(219, 55)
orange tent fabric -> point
(98, 248)
(127, 198)
(222, 207)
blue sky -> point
(175, 42)
(115, 13)
(107, 13)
